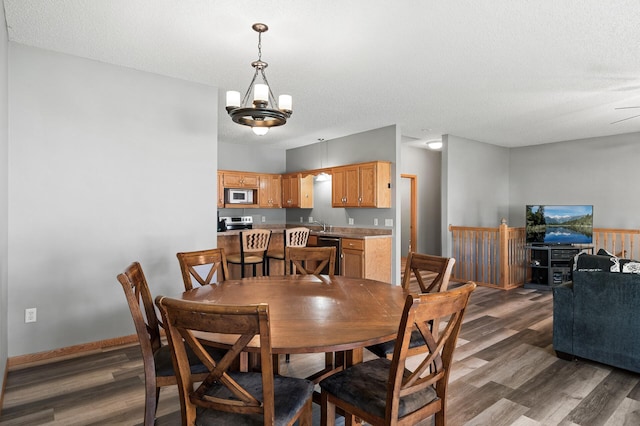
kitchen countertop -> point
(336, 232)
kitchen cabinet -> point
(297, 191)
(220, 191)
(270, 191)
(362, 185)
(344, 187)
(367, 258)
(232, 179)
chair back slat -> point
(255, 240)
(421, 312)
(296, 237)
(141, 305)
(212, 262)
(432, 273)
(310, 260)
(184, 320)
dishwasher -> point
(332, 242)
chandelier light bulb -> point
(233, 99)
(261, 93)
(260, 131)
(285, 102)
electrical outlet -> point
(375, 221)
(264, 219)
(30, 315)
(301, 219)
(350, 221)
(388, 222)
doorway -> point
(409, 213)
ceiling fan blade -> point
(625, 119)
(628, 107)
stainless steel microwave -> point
(238, 196)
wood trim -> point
(29, 360)
(4, 385)
(414, 210)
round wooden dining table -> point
(314, 313)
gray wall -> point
(483, 183)
(4, 194)
(600, 171)
(108, 165)
(426, 165)
(379, 144)
(475, 185)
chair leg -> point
(327, 411)
(306, 417)
(264, 268)
(254, 269)
(152, 395)
(242, 270)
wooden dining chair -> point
(310, 260)
(156, 357)
(432, 274)
(292, 237)
(388, 392)
(253, 249)
(203, 266)
(226, 397)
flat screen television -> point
(561, 224)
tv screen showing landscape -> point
(569, 224)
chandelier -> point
(263, 112)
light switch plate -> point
(350, 221)
(388, 222)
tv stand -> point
(549, 265)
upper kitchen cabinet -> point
(297, 191)
(220, 191)
(239, 180)
(362, 185)
(270, 191)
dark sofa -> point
(597, 316)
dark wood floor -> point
(506, 373)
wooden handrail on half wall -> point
(492, 257)
(479, 252)
(620, 242)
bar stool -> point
(293, 237)
(253, 249)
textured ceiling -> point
(506, 72)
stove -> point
(237, 222)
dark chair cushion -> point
(386, 348)
(290, 396)
(365, 386)
(164, 364)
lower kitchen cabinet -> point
(367, 258)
